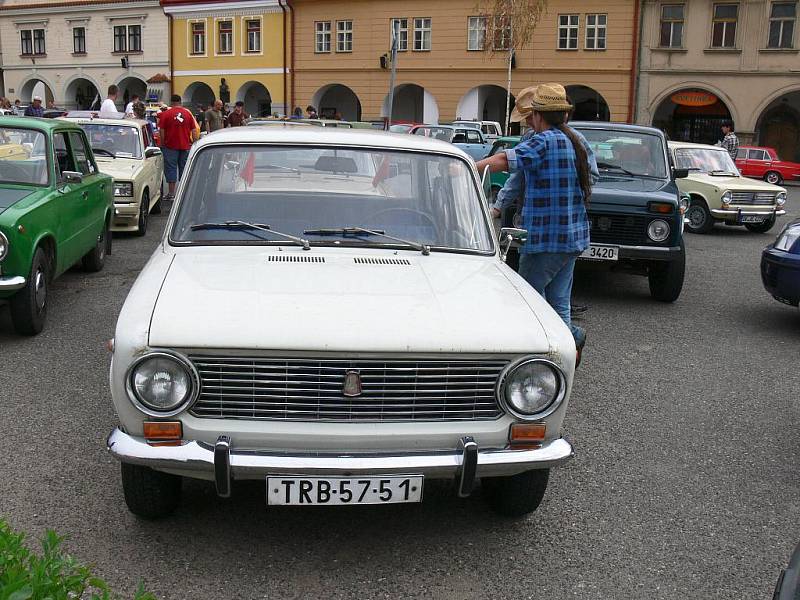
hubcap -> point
(696, 216)
(772, 178)
(40, 289)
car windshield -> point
(423, 199)
(120, 141)
(23, 156)
(705, 160)
(627, 152)
(437, 133)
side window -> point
(757, 155)
(146, 137)
(741, 154)
(81, 153)
(63, 156)
(473, 137)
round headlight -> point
(683, 204)
(162, 383)
(532, 387)
(726, 197)
(658, 230)
(3, 246)
(780, 199)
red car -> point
(763, 163)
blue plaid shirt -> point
(553, 214)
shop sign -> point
(693, 98)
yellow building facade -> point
(230, 50)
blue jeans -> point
(551, 275)
(174, 163)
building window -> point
(567, 32)
(32, 42)
(79, 40)
(401, 26)
(38, 41)
(781, 24)
(672, 26)
(596, 32)
(127, 38)
(422, 34)
(199, 37)
(323, 36)
(253, 35)
(502, 32)
(225, 37)
(476, 33)
(344, 36)
(723, 32)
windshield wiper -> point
(259, 226)
(355, 231)
(721, 172)
(604, 165)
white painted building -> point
(71, 51)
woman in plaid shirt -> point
(557, 187)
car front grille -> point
(626, 230)
(761, 198)
(303, 389)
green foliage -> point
(51, 576)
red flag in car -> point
(249, 170)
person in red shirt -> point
(238, 117)
(178, 130)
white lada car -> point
(328, 312)
(125, 149)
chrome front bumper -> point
(224, 463)
(10, 284)
(722, 213)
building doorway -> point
(779, 126)
(256, 98)
(589, 104)
(35, 87)
(82, 94)
(197, 95)
(334, 99)
(692, 115)
(130, 86)
(412, 104)
(485, 103)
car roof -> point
(38, 123)
(615, 127)
(120, 122)
(673, 144)
(344, 137)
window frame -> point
(193, 35)
(218, 33)
(125, 33)
(258, 48)
(484, 20)
(725, 23)
(595, 29)
(403, 30)
(570, 28)
(79, 49)
(321, 35)
(137, 37)
(501, 30)
(33, 41)
(672, 22)
(781, 22)
(423, 29)
(344, 44)
(120, 32)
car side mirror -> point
(680, 173)
(152, 151)
(509, 235)
(72, 176)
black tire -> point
(763, 227)
(666, 277)
(144, 214)
(698, 217)
(150, 494)
(773, 177)
(95, 259)
(156, 210)
(516, 495)
(29, 305)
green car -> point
(498, 180)
(55, 210)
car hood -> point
(10, 196)
(635, 191)
(731, 182)
(241, 298)
(123, 169)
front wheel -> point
(29, 305)
(773, 177)
(762, 227)
(516, 495)
(698, 218)
(148, 493)
(666, 278)
(144, 213)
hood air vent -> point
(381, 261)
(295, 258)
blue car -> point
(780, 265)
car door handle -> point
(84, 195)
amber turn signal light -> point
(527, 433)
(163, 430)
(665, 208)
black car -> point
(788, 586)
(636, 211)
(780, 265)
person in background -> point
(238, 117)
(109, 107)
(178, 129)
(311, 112)
(140, 112)
(730, 142)
(297, 113)
(213, 117)
(558, 185)
(18, 107)
(35, 109)
(129, 106)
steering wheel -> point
(11, 172)
(404, 210)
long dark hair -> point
(558, 120)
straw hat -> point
(547, 97)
